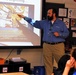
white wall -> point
(33, 56)
(68, 3)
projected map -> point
(8, 14)
(15, 31)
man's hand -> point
(56, 34)
(21, 16)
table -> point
(14, 73)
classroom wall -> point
(68, 3)
(34, 56)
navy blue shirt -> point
(49, 28)
(74, 73)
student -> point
(61, 64)
(71, 64)
(54, 34)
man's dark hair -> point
(55, 11)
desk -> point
(14, 73)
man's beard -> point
(50, 17)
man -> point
(54, 34)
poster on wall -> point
(73, 24)
(66, 21)
(62, 12)
(71, 13)
(74, 34)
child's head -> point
(73, 53)
(62, 61)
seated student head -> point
(73, 54)
(62, 61)
(61, 65)
(70, 68)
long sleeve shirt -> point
(49, 29)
